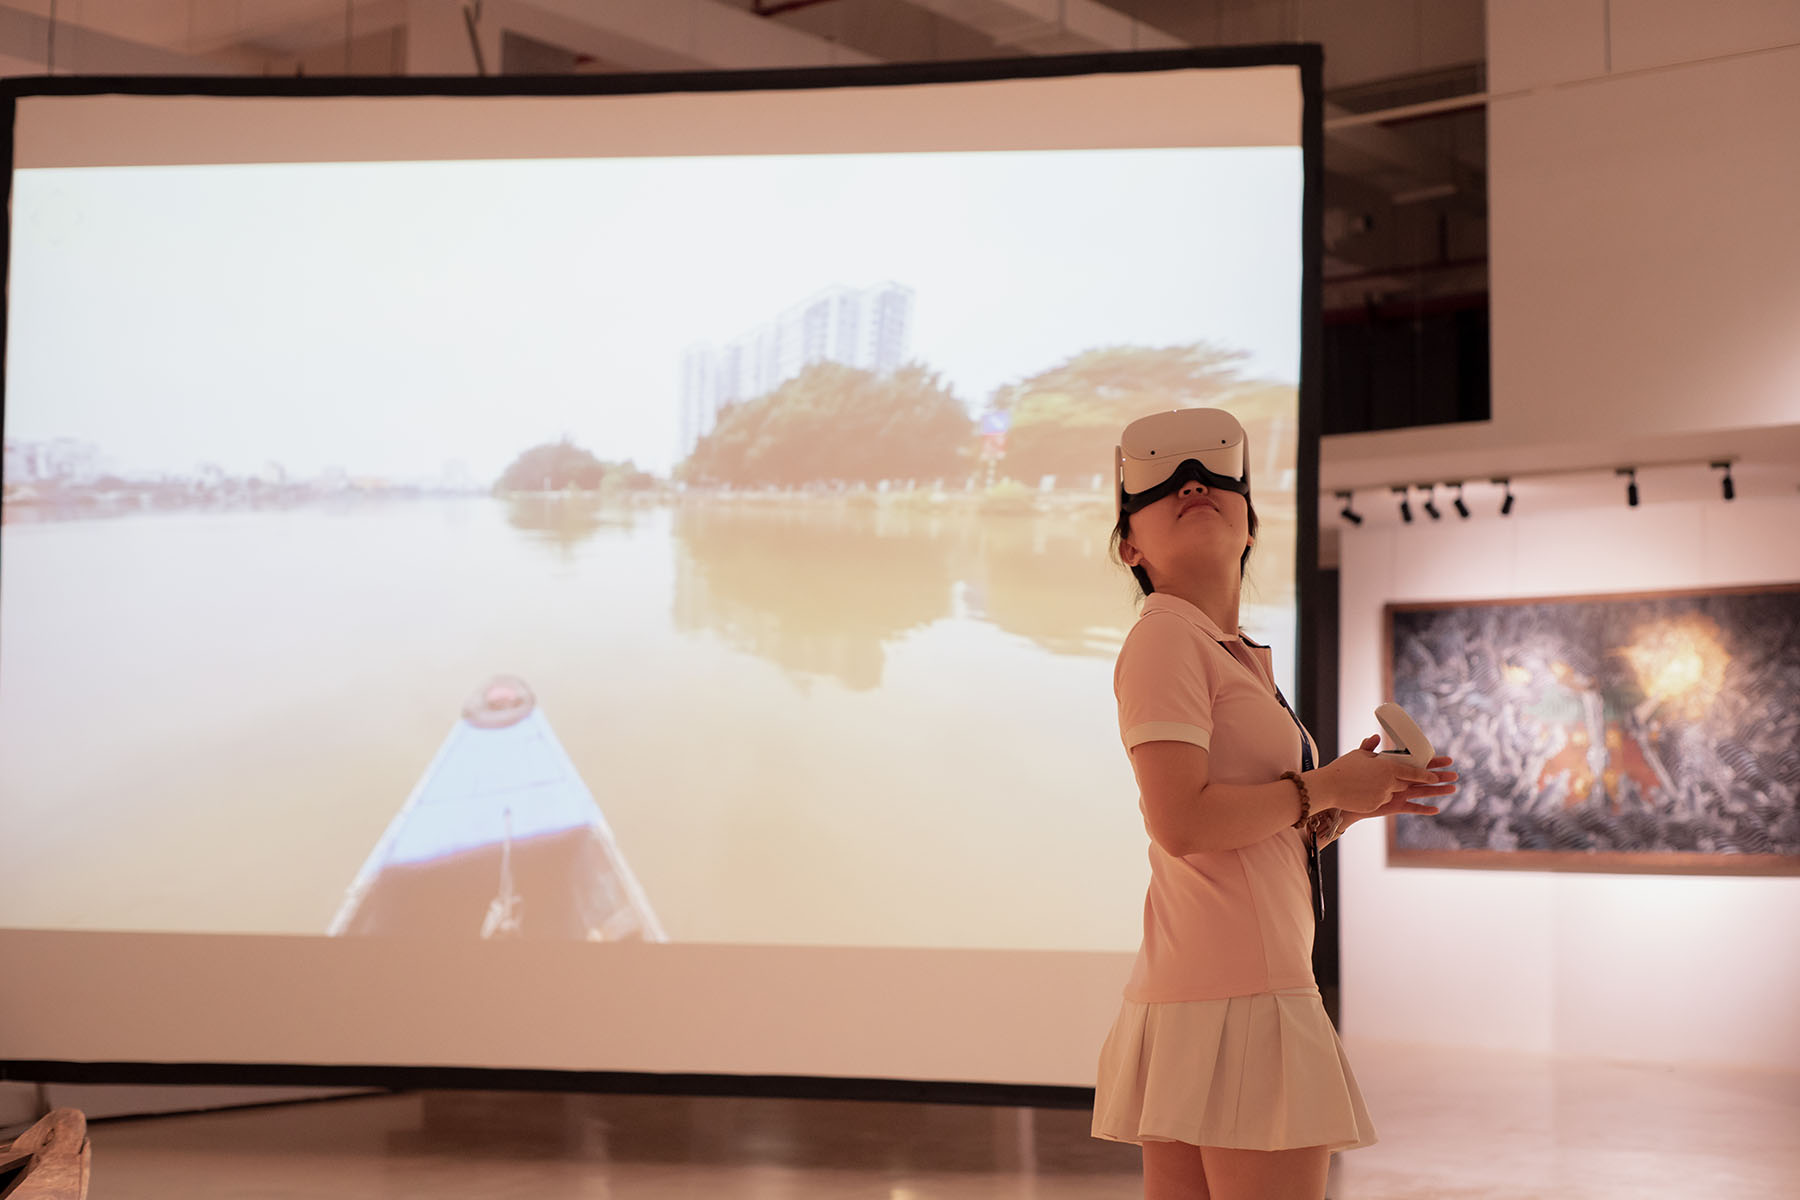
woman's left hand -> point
(1408, 800)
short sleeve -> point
(1164, 683)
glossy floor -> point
(1455, 1126)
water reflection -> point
(818, 587)
(1049, 578)
(815, 589)
(566, 519)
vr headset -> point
(1159, 454)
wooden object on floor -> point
(49, 1161)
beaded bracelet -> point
(1305, 800)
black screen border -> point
(1307, 57)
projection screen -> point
(618, 580)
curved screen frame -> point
(981, 1026)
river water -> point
(806, 722)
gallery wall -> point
(1645, 263)
(1644, 967)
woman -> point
(1222, 1063)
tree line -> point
(837, 424)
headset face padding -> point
(1187, 471)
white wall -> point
(1656, 968)
(1646, 298)
(1645, 254)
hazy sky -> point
(392, 318)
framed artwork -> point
(1653, 732)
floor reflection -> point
(1479, 1125)
(724, 1131)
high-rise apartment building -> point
(868, 327)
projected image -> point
(686, 549)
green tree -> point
(1066, 420)
(834, 422)
(563, 466)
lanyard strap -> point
(1308, 835)
(1310, 838)
(1306, 758)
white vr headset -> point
(1160, 453)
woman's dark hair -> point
(1122, 531)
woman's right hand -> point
(1363, 781)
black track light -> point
(1405, 508)
(1355, 518)
(1631, 492)
(1462, 510)
(1506, 504)
(1431, 508)
(1725, 484)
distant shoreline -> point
(1004, 499)
(65, 504)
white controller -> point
(1403, 733)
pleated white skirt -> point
(1262, 1072)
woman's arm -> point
(1189, 814)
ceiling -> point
(1406, 183)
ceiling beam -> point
(292, 28)
(1052, 26)
(32, 43)
(1371, 152)
(672, 35)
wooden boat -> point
(500, 837)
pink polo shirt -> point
(1230, 922)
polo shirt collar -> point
(1193, 612)
(1250, 652)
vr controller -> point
(1404, 735)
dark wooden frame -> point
(1569, 861)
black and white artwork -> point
(1650, 732)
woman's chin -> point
(1208, 556)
